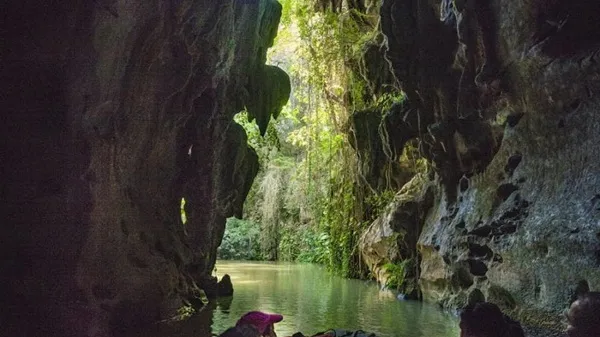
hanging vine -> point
(310, 200)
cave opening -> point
(153, 138)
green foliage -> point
(411, 159)
(182, 211)
(397, 273)
(184, 313)
(379, 201)
(263, 145)
(315, 247)
(308, 202)
(385, 101)
(271, 189)
(304, 245)
(286, 14)
(241, 241)
(321, 188)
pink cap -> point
(259, 319)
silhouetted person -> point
(584, 316)
(485, 319)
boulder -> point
(224, 287)
(388, 247)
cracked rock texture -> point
(115, 111)
(515, 217)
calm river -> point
(312, 300)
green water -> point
(311, 300)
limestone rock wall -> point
(115, 111)
(514, 147)
(392, 237)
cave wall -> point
(514, 150)
(392, 238)
(115, 110)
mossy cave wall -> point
(514, 217)
(114, 111)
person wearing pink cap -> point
(262, 321)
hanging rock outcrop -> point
(116, 111)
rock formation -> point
(115, 111)
(224, 287)
(392, 238)
(506, 96)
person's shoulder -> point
(241, 330)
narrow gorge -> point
(116, 110)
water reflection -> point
(224, 303)
(312, 300)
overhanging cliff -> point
(116, 110)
